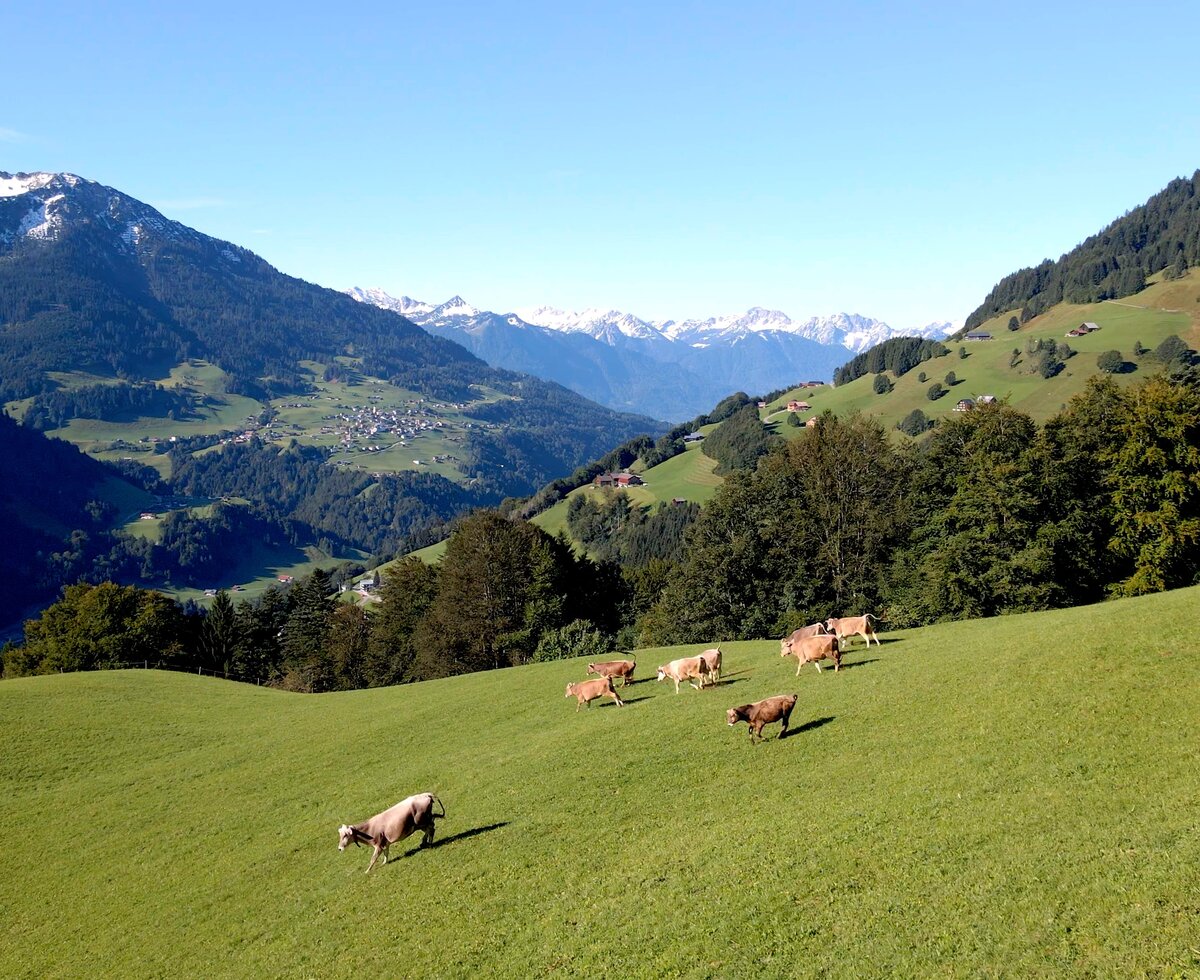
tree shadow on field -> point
(808, 726)
(463, 835)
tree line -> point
(1161, 235)
(986, 513)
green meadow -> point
(1162, 309)
(1006, 797)
(688, 476)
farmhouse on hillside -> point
(964, 405)
(618, 480)
(693, 437)
(978, 335)
(797, 406)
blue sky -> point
(671, 159)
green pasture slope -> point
(1017, 797)
(1161, 309)
(688, 476)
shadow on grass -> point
(808, 726)
(624, 701)
(725, 681)
(464, 835)
(857, 663)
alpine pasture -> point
(1017, 796)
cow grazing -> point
(851, 626)
(394, 824)
(684, 669)
(778, 708)
(712, 664)
(812, 649)
(585, 692)
(614, 668)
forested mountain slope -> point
(1162, 234)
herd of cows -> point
(809, 644)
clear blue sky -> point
(668, 159)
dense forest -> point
(121, 401)
(1162, 234)
(987, 513)
(898, 355)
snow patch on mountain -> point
(404, 305)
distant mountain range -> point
(618, 359)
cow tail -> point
(439, 803)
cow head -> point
(569, 691)
(662, 672)
(731, 716)
(345, 836)
(785, 646)
(591, 668)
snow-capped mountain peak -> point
(404, 305)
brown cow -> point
(712, 664)
(393, 824)
(614, 668)
(852, 626)
(778, 708)
(812, 650)
(684, 669)
(585, 692)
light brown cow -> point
(394, 824)
(585, 692)
(778, 708)
(812, 649)
(684, 669)
(804, 632)
(712, 664)
(852, 626)
(614, 668)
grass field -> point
(1162, 309)
(1008, 797)
(688, 476)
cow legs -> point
(375, 857)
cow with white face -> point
(394, 824)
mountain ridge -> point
(618, 358)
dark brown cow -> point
(394, 824)
(614, 668)
(585, 692)
(853, 626)
(811, 650)
(778, 708)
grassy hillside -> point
(1015, 796)
(688, 476)
(1162, 309)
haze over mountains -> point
(618, 359)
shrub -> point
(1014, 323)
(914, 423)
(1110, 362)
(921, 377)
(881, 385)
(579, 638)
(934, 392)
(951, 379)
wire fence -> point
(184, 669)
